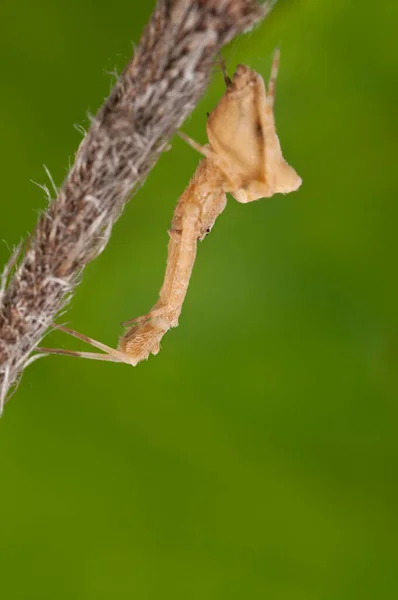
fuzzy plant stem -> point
(155, 93)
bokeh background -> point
(256, 455)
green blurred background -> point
(256, 455)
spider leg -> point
(272, 77)
(92, 355)
(117, 354)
